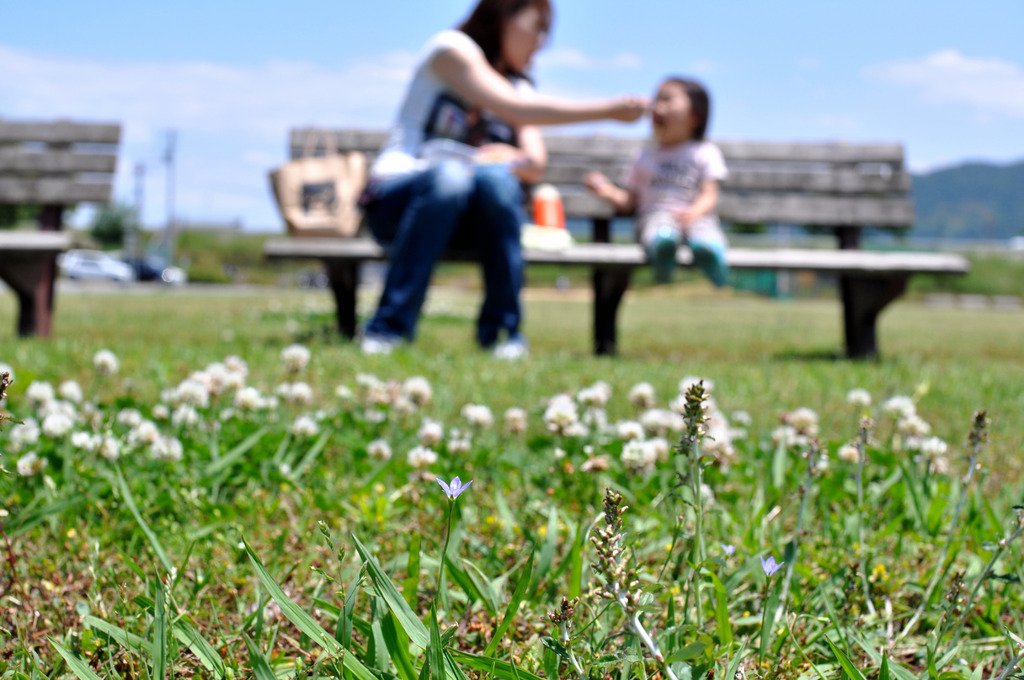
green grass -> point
(139, 566)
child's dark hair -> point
(700, 103)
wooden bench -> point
(839, 187)
(53, 165)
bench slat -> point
(59, 132)
(597, 147)
(631, 255)
(13, 243)
(53, 190)
(843, 181)
(780, 208)
(52, 162)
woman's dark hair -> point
(487, 23)
(700, 103)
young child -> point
(673, 188)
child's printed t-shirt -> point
(667, 179)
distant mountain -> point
(973, 200)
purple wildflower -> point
(455, 488)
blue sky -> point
(232, 77)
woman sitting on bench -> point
(450, 172)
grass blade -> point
(314, 451)
(159, 632)
(435, 653)
(513, 607)
(495, 668)
(851, 671)
(397, 643)
(232, 456)
(154, 542)
(385, 587)
(303, 621)
(129, 641)
(412, 571)
(261, 670)
(188, 635)
(77, 666)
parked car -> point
(153, 268)
(94, 264)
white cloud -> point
(995, 87)
(232, 121)
(572, 58)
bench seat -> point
(871, 279)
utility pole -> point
(132, 237)
(169, 233)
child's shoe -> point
(662, 253)
(709, 257)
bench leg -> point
(609, 287)
(863, 300)
(32, 279)
(344, 278)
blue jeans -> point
(416, 217)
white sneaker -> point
(513, 349)
(377, 344)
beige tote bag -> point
(317, 194)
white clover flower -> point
(110, 448)
(375, 416)
(458, 442)
(40, 393)
(657, 422)
(191, 391)
(143, 434)
(86, 441)
(421, 457)
(58, 407)
(596, 464)
(596, 395)
(343, 392)
(804, 421)
(642, 395)
(57, 425)
(659, 448)
(913, 426)
(934, 446)
(849, 453)
(72, 391)
(559, 453)
(478, 415)
(691, 380)
(899, 407)
(379, 449)
(129, 417)
(105, 362)
(628, 430)
(31, 464)
(638, 458)
(515, 420)
(430, 433)
(295, 358)
(160, 412)
(305, 426)
(785, 435)
(596, 418)
(938, 466)
(215, 377)
(858, 397)
(707, 494)
(248, 399)
(24, 434)
(561, 414)
(237, 365)
(295, 393)
(186, 416)
(742, 419)
(579, 430)
(166, 449)
(403, 406)
(418, 390)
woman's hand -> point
(629, 108)
(597, 183)
(497, 152)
